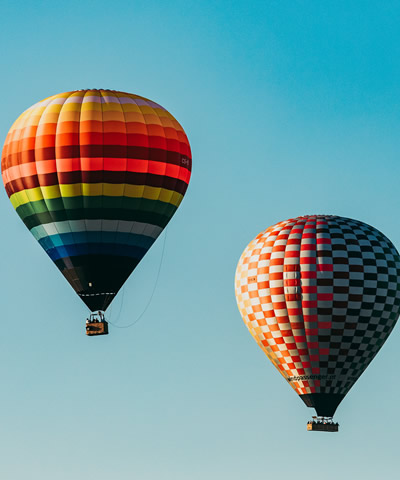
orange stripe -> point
(95, 164)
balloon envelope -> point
(320, 295)
(96, 175)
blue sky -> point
(291, 108)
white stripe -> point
(124, 226)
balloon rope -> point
(151, 296)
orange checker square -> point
(278, 291)
(295, 312)
(264, 298)
(262, 270)
(269, 313)
(292, 254)
(286, 333)
(275, 261)
(257, 308)
(275, 276)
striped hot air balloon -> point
(96, 175)
(320, 295)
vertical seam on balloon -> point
(174, 187)
(102, 174)
(74, 285)
(299, 223)
(273, 304)
(50, 100)
(126, 167)
(162, 211)
(39, 182)
(85, 231)
(140, 200)
(320, 247)
(287, 225)
(18, 139)
(102, 198)
(308, 221)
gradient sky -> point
(291, 108)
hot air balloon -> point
(320, 294)
(96, 175)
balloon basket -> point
(96, 325)
(322, 424)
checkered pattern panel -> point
(320, 295)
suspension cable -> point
(114, 324)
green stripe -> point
(107, 208)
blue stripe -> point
(97, 249)
(80, 238)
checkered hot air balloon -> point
(96, 175)
(320, 295)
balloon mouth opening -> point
(325, 404)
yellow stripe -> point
(95, 189)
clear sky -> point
(291, 108)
